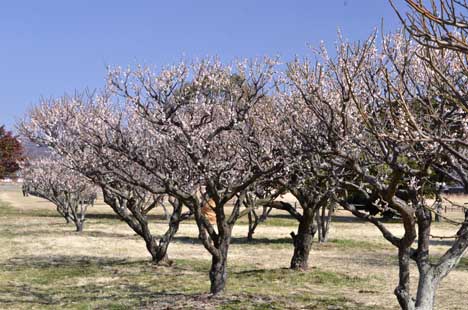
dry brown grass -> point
(357, 269)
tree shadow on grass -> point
(208, 302)
(105, 283)
(38, 261)
(255, 272)
(354, 219)
(237, 240)
(89, 216)
(113, 216)
(335, 218)
(88, 296)
(15, 294)
(63, 229)
(35, 279)
(442, 242)
(94, 282)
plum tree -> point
(71, 192)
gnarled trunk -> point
(62, 211)
(425, 294)
(216, 241)
(438, 205)
(218, 270)
(427, 287)
(159, 253)
(75, 211)
(138, 222)
(323, 218)
(79, 226)
(303, 240)
(402, 291)
(254, 220)
(121, 208)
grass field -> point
(44, 264)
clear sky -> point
(50, 47)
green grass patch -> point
(90, 283)
(463, 264)
(280, 281)
(351, 244)
(8, 210)
(98, 282)
(273, 220)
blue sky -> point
(50, 47)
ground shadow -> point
(89, 216)
(237, 240)
(113, 216)
(337, 218)
(443, 242)
(35, 284)
(249, 272)
(38, 261)
(29, 289)
(64, 229)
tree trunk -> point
(216, 241)
(303, 240)
(323, 218)
(161, 257)
(218, 270)
(79, 226)
(427, 287)
(253, 222)
(427, 283)
(62, 211)
(402, 291)
(158, 252)
(138, 222)
(438, 206)
(121, 208)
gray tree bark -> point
(303, 240)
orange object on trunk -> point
(208, 212)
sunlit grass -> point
(44, 264)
